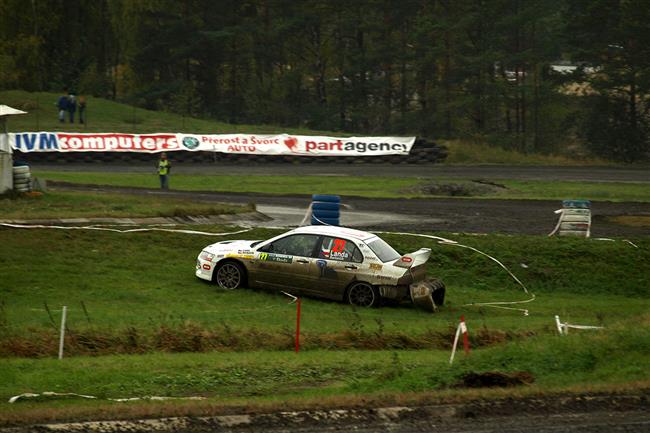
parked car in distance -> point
(331, 262)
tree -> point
(614, 37)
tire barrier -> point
(325, 210)
(423, 152)
(22, 178)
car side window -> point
(294, 245)
(340, 250)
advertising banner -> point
(253, 144)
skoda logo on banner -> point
(191, 142)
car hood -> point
(236, 247)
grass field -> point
(141, 300)
(104, 115)
(362, 186)
(109, 116)
(145, 279)
(86, 205)
(140, 322)
(267, 381)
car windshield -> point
(382, 250)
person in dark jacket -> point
(82, 108)
(72, 106)
(62, 105)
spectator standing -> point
(82, 108)
(62, 105)
(72, 106)
(164, 167)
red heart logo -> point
(291, 143)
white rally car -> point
(332, 262)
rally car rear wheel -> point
(363, 295)
(229, 275)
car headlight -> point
(206, 256)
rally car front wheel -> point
(229, 275)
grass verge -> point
(363, 186)
(257, 381)
(471, 152)
(58, 204)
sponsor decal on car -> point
(280, 258)
(246, 252)
(325, 271)
(239, 256)
(207, 267)
(343, 255)
(407, 259)
(375, 266)
(339, 245)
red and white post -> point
(461, 329)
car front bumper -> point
(204, 269)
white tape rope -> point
(563, 328)
(106, 229)
(559, 222)
(445, 241)
(497, 304)
(614, 240)
(92, 397)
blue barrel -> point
(325, 209)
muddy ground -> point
(534, 217)
(572, 413)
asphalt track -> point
(595, 174)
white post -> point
(453, 349)
(559, 325)
(62, 335)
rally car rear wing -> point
(414, 259)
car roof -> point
(335, 231)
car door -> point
(286, 263)
(338, 263)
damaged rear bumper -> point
(428, 294)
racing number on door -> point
(339, 245)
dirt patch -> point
(496, 379)
(475, 188)
(631, 220)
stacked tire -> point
(325, 210)
(22, 178)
